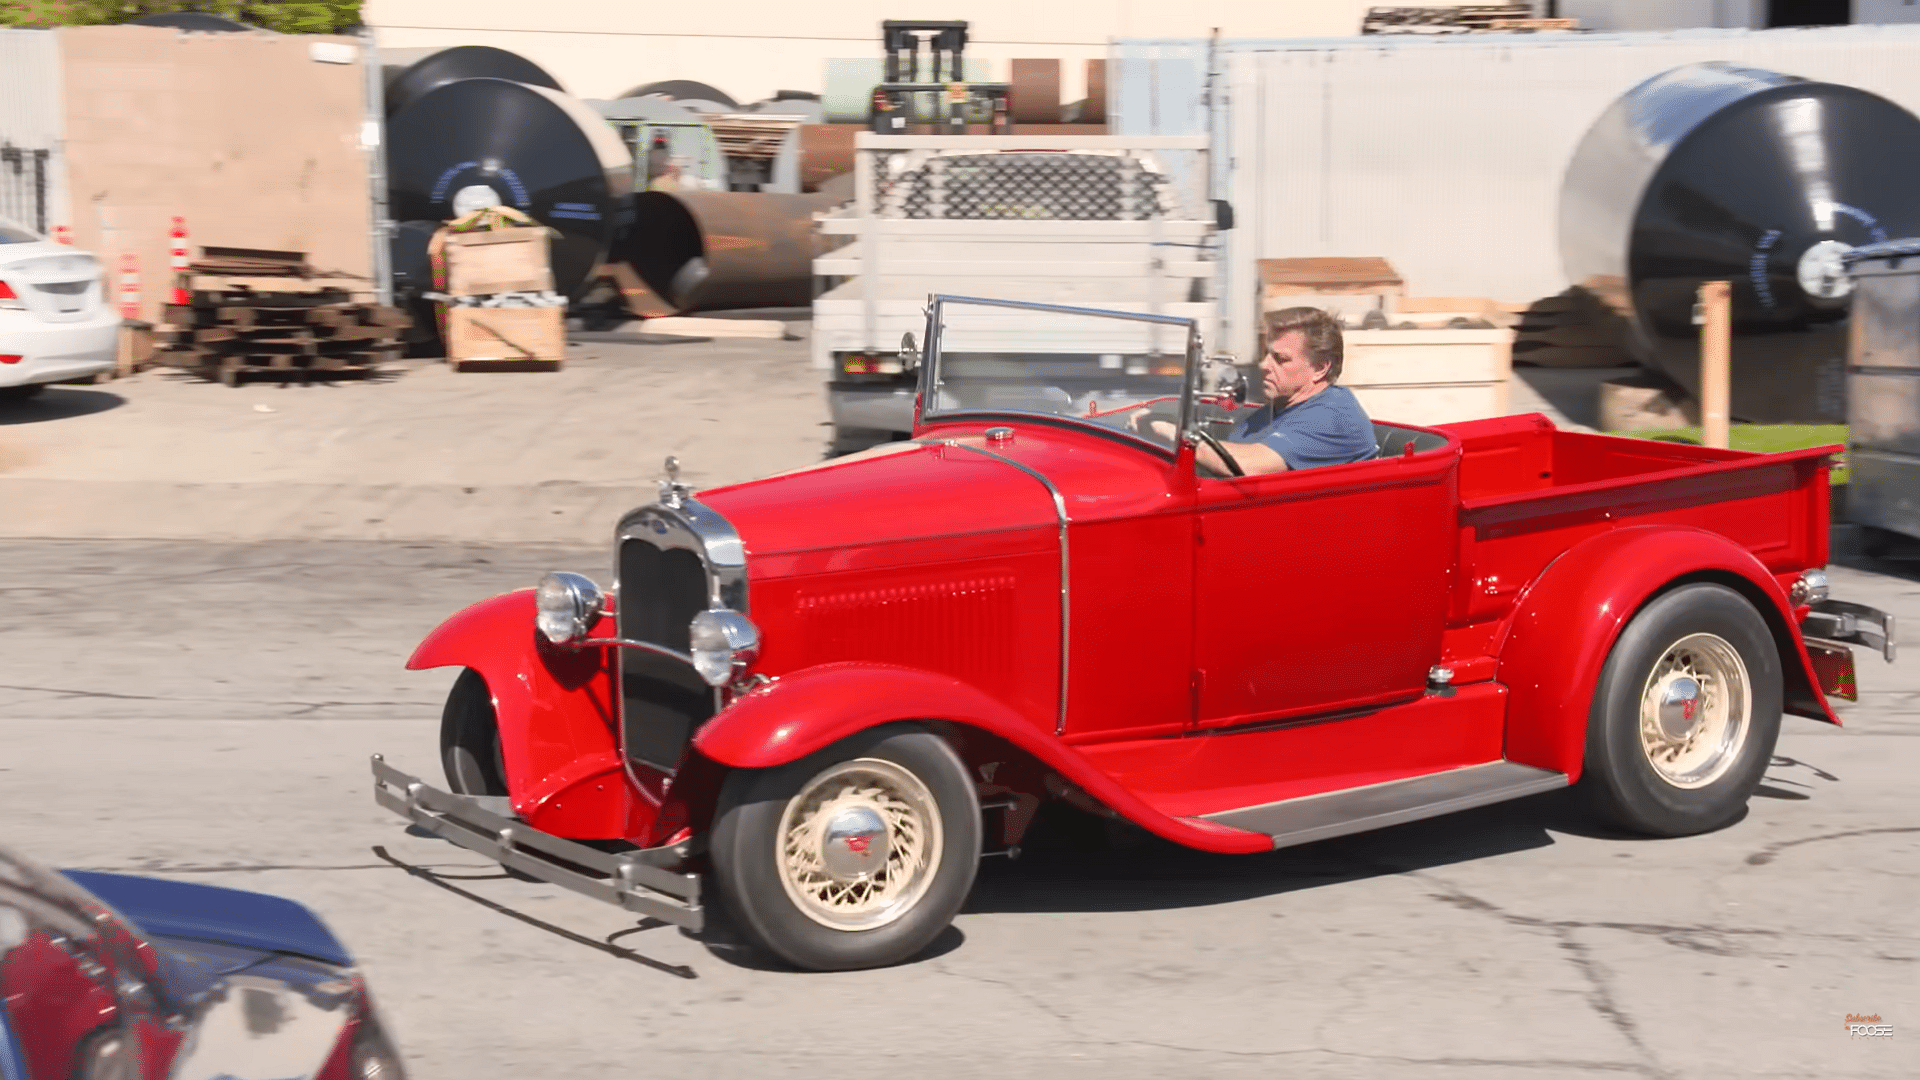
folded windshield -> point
(1011, 358)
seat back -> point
(1393, 440)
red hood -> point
(883, 496)
(931, 490)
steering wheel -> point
(1208, 440)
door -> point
(1320, 590)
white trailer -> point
(1090, 221)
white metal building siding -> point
(1443, 155)
(30, 112)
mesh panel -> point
(1026, 186)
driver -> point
(1308, 420)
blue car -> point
(115, 977)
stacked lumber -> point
(231, 334)
(268, 312)
(1459, 19)
(752, 135)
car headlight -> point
(724, 645)
(565, 606)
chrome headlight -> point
(565, 606)
(724, 645)
(1810, 589)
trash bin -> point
(1883, 387)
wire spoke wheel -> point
(1684, 715)
(1695, 711)
(858, 844)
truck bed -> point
(1529, 492)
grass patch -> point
(1765, 438)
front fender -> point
(814, 708)
(556, 711)
(1566, 621)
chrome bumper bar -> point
(631, 880)
(1854, 624)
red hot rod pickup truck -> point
(824, 694)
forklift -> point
(934, 90)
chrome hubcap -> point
(859, 844)
(1695, 711)
(853, 843)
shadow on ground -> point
(386, 372)
(58, 403)
(1075, 864)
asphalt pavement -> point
(201, 705)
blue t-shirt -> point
(1329, 428)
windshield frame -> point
(930, 351)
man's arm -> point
(1254, 459)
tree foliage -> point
(324, 17)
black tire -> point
(746, 852)
(21, 393)
(470, 745)
(470, 739)
(1692, 626)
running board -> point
(1376, 806)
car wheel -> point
(470, 739)
(21, 393)
(1685, 714)
(857, 856)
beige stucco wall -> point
(750, 48)
(247, 136)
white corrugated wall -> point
(30, 113)
(1445, 156)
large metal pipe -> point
(713, 250)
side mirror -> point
(909, 353)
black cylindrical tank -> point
(1718, 172)
(475, 143)
(409, 73)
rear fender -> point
(556, 710)
(817, 707)
(1567, 620)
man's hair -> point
(1321, 331)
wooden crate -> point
(506, 339)
(1429, 376)
(497, 261)
(136, 348)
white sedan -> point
(55, 323)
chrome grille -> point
(662, 700)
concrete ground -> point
(420, 452)
(200, 703)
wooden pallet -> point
(228, 337)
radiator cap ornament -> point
(673, 493)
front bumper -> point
(638, 881)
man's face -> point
(1285, 370)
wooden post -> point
(1716, 342)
